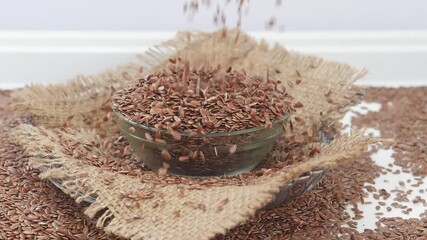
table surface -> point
(388, 181)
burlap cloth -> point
(71, 111)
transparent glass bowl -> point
(215, 154)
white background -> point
(167, 15)
(394, 58)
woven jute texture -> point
(68, 113)
(75, 101)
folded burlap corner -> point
(325, 88)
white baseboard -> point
(394, 58)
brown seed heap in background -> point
(34, 209)
(203, 100)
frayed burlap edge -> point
(202, 213)
(69, 103)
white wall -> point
(394, 58)
(166, 15)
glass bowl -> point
(288, 192)
(202, 155)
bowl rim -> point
(275, 123)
